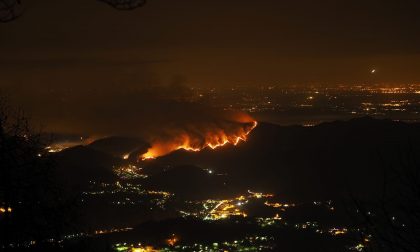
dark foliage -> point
(34, 208)
(9, 10)
(125, 4)
(12, 9)
(392, 222)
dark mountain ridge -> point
(326, 161)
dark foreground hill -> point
(331, 160)
(120, 146)
(328, 161)
(78, 165)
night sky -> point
(83, 47)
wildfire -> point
(191, 141)
(172, 240)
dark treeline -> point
(34, 209)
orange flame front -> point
(212, 138)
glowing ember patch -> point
(149, 155)
(172, 240)
(213, 139)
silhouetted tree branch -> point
(32, 206)
(11, 9)
(393, 221)
(125, 4)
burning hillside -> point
(198, 137)
(162, 119)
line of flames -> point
(227, 140)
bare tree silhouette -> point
(392, 222)
(32, 206)
(12, 9)
(9, 10)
